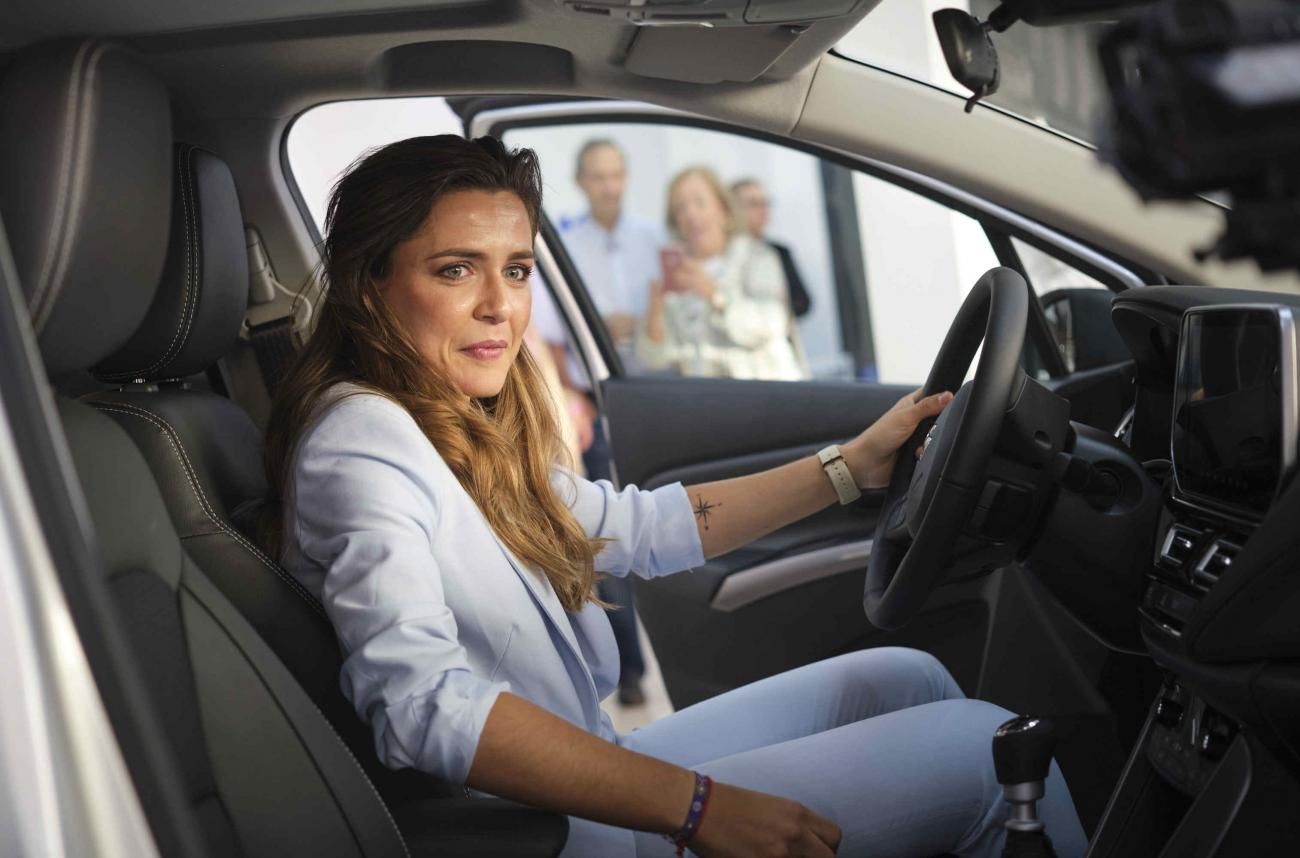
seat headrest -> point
(196, 314)
(85, 156)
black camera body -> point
(1206, 100)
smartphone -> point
(670, 258)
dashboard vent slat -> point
(1214, 562)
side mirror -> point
(969, 52)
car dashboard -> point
(1214, 423)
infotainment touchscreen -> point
(1234, 425)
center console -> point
(1200, 782)
(1232, 445)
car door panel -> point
(817, 619)
(834, 542)
(662, 424)
(794, 596)
(732, 466)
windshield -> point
(1050, 75)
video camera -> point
(1204, 98)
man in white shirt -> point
(616, 253)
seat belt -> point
(273, 334)
(274, 347)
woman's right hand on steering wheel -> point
(741, 823)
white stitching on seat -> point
(365, 778)
(195, 262)
(193, 266)
(190, 197)
(173, 440)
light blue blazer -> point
(435, 616)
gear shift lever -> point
(1022, 755)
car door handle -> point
(776, 576)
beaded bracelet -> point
(694, 816)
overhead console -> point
(719, 41)
(716, 13)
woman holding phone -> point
(720, 306)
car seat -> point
(206, 453)
(85, 143)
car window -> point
(709, 253)
(854, 277)
(1076, 306)
(325, 140)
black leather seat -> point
(206, 453)
(261, 770)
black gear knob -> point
(1022, 757)
(1022, 750)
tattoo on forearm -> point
(703, 510)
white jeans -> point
(881, 741)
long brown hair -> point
(502, 450)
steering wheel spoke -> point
(894, 516)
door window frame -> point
(595, 348)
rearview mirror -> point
(969, 52)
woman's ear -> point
(377, 273)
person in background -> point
(617, 254)
(756, 208)
(720, 306)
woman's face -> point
(460, 287)
(699, 216)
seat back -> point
(262, 771)
(206, 453)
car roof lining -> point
(219, 75)
(53, 19)
(217, 61)
(990, 154)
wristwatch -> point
(840, 475)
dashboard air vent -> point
(1214, 562)
(1178, 545)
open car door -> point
(885, 256)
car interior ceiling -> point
(366, 50)
(226, 670)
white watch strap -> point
(840, 475)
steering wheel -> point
(932, 498)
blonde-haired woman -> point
(414, 454)
(722, 308)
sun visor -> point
(715, 41)
(707, 55)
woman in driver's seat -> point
(415, 455)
